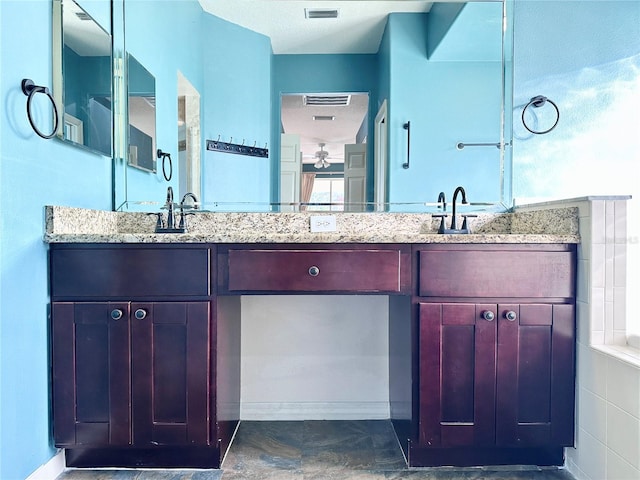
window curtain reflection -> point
(307, 188)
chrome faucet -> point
(193, 197)
(183, 222)
(455, 197)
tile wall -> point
(607, 442)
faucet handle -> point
(464, 219)
(159, 221)
(183, 219)
(441, 216)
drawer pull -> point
(488, 315)
(314, 271)
(510, 315)
(116, 314)
(140, 314)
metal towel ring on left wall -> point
(164, 156)
(30, 89)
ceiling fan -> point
(321, 155)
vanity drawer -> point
(317, 270)
(544, 271)
(126, 271)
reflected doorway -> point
(332, 130)
(189, 150)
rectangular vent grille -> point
(321, 13)
(327, 100)
(83, 16)
(324, 117)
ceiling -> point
(358, 29)
(341, 130)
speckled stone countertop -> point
(75, 225)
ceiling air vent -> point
(327, 100)
(320, 13)
(324, 117)
(83, 16)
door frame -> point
(380, 135)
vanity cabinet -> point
(133, 333)
(146, 345)
(495, 355)
(130, 373)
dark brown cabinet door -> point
(498, 375)
(535, 375)
(91, 374)
(131, 373)
(457, 375)
(170, 370)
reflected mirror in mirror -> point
(82, 81)
(141, 88)
(189, 151)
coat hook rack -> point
(238, 149)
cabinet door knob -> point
(140, 314)
(116, 314)
(510, 315)
(314, 271)
(488, 315)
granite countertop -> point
(74, 225)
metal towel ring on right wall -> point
(539, 101)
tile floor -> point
(319, 450)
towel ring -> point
(30, 89)
(539, 101)
(164, 156)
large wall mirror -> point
(445, 70)
(82, 80)
(141, 104)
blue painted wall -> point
(33, 173)
(585, 56)
(176, 31)
(237, 72)
(447, 102)
(230, 67)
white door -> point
(380, 158)
(355, 177)
(290, 172)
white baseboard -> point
(314, 411)
(50, 470)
